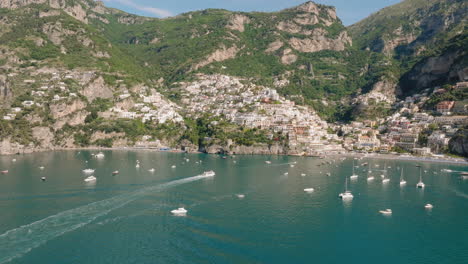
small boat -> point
(179, 211)
(328, 174)
(14, 160)
(402, 180)
(224, 157)
(115, 172)
(386, 212)
(428, 206)
(370, 178)
(151, 170)
(386, 180)
(292, 166)
(240, 196)
(88, 171)
(464, 173)
(286, 173)
(446, 170)
(187, 160)
(346, 195)
(173, 166)
(464, 177)
(4, 171)
(308, 190)
(90, 179)
(41, 167)
(43, 178)
(209, 173)
(303, 174)
(268, 162)
(137, 165)
(100, 155)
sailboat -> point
(347, 195)
(369, 177)
(420, 183)
(384, 176)
(354, 176)
(402, 181)
(384, 170)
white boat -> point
(328, 174)
(151, 170)
(370, 178)
(446, 170)
(268, 162)
(420, 184)
(90, 179)
(100, 155)
(386, 180)
(173, 166)
(14, 160)
(88, 171)
(464, 177)
(43, 178)
(346, 195)
(179, 211)
(303, 174)
(286, 173)
(292, 166)
(354, 176)
(308, 190)
(402, 180)
(384, 175)
(209, 173)
(115, 172)
(4, 171)
(386, 212)
(41, 167)
(428, 206)
(240, 196)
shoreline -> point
(448, 160)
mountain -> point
(85, 74)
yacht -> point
(88, 171)
(100, 155)
(209, 173)
(179, 211)
(354, 176)
(346, 195)
(428, 206)
(420, 183)
(402, 180)
(309, 190)
(386, 212)
(90, 179)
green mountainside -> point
(78, 60)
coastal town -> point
(409, 129)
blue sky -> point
(350, 11)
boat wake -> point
(16, 242)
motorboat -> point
(428, 206)
(370, 178)
(402, 180)
(240, 196)
(14, 160)
(137, 165)
(90, 179)
(328, 174)
(88, 171)
(446, 170)
(386, 180)
(4, 171)
(386, 212)
(209, 173)
(464, 177)
(151, 170)
(100, 155)
(41, 167)
(43, 178)
(179, 211)
(173, 166)
(286, 173)
(308, 190)
(292, 166)
(268, 162)
(115, 172)
(303, 174)
(346, 195)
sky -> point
(349, 11)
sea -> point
(254, 210)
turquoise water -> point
(126, 218)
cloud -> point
(148, 9)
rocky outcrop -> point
(219, 55)
(459, 143)
(237, 22)
(64, 109)
(97, 89)
(258, 149)
(44, 136)
(288, 57)
(274, 46)
(318, 41)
